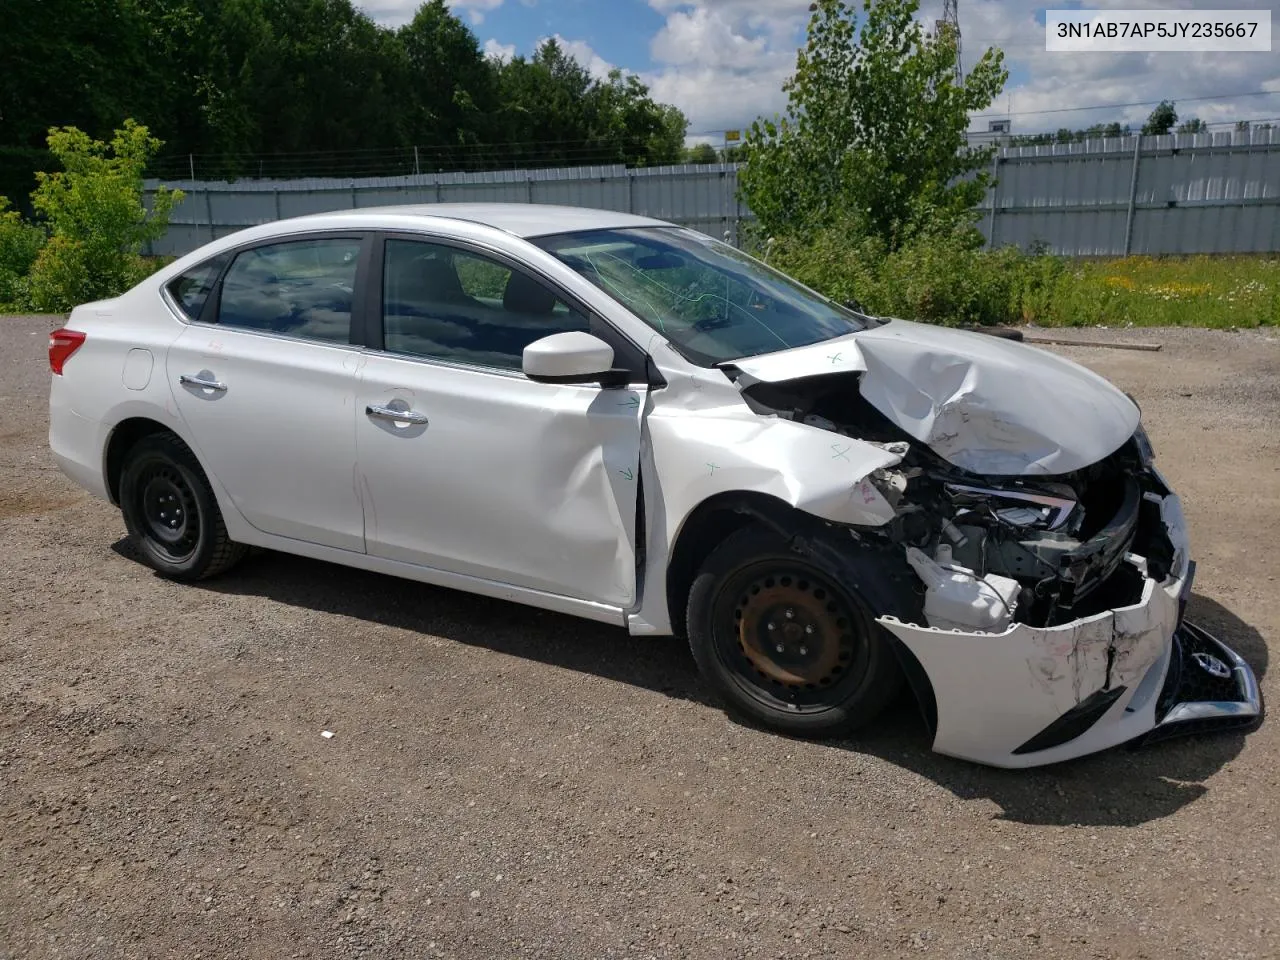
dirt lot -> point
(505, 782)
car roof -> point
(520, 219)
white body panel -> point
(529, 491)
(532, 484)
(84, 408)
(284, 450)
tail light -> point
(62, 344)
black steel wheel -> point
(788, 640)
(169, 510)
(171, 513)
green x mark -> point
(628, 474)
(633, 402)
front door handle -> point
(194, 380)
(402, 416)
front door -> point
(468, 466)
(267, 389)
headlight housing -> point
(1143, 444)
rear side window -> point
(301, 288)
(191, 289)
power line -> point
(1133, 103)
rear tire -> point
(789, 640)
(171, 513)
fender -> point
(704, 441)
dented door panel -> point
(525, 483)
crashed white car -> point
(617, 418)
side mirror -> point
(573, 357)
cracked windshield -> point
(711, 301)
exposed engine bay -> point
(992, 551)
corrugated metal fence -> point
(702, 196)
(1185, 193)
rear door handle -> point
(402, 416)
(192, 380)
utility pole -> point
(949, 25)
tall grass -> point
(1165, 291)
(946, 279)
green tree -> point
(452, 90)
(94, 211)
(306, 87)
(1193, 125)
(1161, 120)
(875, 128)
(702, 153)
(544, 113)
(296, 75)
(554, 113)
(630, 127)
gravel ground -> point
(505, 782)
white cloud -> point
(581, 51)
(704, 38)
(1046, 83)
(715, 100)
(723, 61)
(476, 9)
(396, 13)
(499, 51)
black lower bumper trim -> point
(1074, 722)
(1209, 688)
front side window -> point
(301, 288)
(190, 290)
(711, 301)
(450, 304)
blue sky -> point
(723, 61)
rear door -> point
(468, 466)
(266, 380)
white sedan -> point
(617, 418)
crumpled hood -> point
(984, 404)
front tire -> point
(789, 640)
(170, 511)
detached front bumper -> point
(1037, 695)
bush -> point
(95, 213)
(20, 243)
(64, 275)
(940, 278)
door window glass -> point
(302, 288)
(445, 303)
(191, 289)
